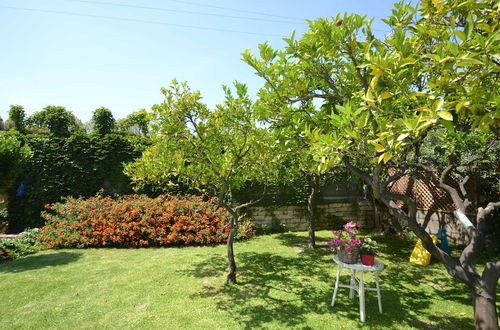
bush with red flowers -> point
(137, 221)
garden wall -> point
(329, 216)
(333, 215)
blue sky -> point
(83, 62)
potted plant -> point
(367, 251)
(346, 244)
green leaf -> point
(437, 105)
(460, 104)
(386, 95)
(402, 136)
(445, 115)
(380, 158)
(374, 82)
(448, 125)
(460, 34)
(378, 147)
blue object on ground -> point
(20, 190)
(443, 244)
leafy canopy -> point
(214, 150)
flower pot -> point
(348, 258)
(367, 259)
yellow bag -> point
(420, 256)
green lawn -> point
(280, 286)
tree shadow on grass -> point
(293, 240)
(39, 261)
(289, 290)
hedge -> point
(137, 221)
(79, 165)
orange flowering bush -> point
(136, 221)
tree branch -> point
(467, 202)
(399, 174)
(361, 77)
(360, 173)
(253, 202)
(476, 243)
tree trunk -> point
(483, 288)
(485, 312)
(376, 215)
(311, 201)
(231, 270)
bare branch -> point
(457, 200)
(362, 174)
(467, 202)
(476, 243)
(451, 265)
(399, 174)
(361, 76)
(312, 96)
(253, 202)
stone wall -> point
(333, 215)
(329, 216)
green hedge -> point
(79, 165)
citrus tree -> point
(436, 70)
(215, 151)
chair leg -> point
(353, 284)
(336, 284)
(361, 297)
(378, 293)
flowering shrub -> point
(346, 239)
(368, 246)
(25, 243)
(135, 221)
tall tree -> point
(136, 123)
(102, 121)
(437, 69)
(287, 122)
(59, 121)
(215, 151)
(17, 118)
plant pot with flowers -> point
(367, 251)
(346, 244)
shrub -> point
(135, 221)
(13, 155)
(25, 243)
(58, 165)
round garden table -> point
(358, 284)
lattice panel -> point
(427, 195)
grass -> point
(281, 285)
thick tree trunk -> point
(376, 216)
(231, 270)
(483, 287)
(311, 204)
(485, 312)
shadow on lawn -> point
(39, 261)
(293, 240)
(288, 289)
